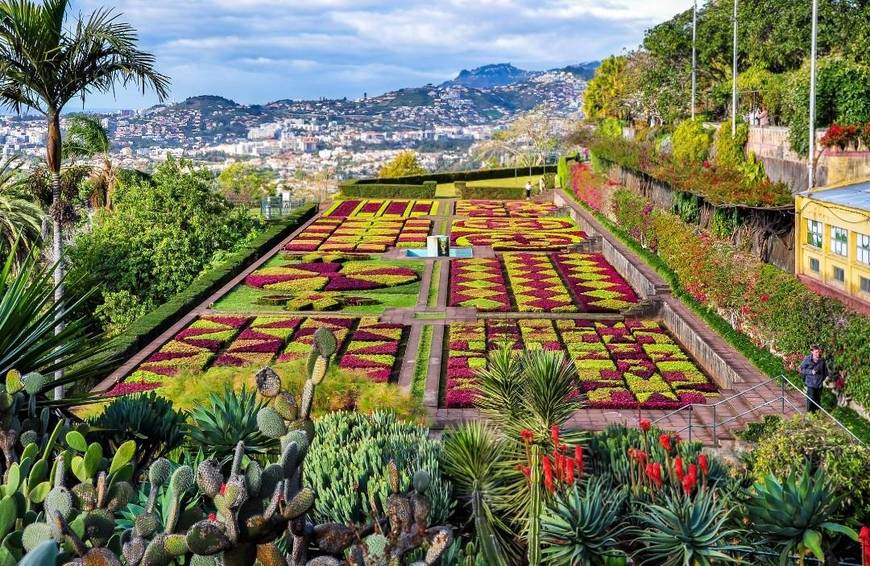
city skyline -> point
(256, 51)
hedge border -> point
(151, 325)
(489, 193)
(453, 176)
(355, 188)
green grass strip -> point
(434, 284)
(421, 369)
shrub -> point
(795, 443)
(346, 464)
(424, 190)
(691, 142)
(730, 148)
(226, 420)
(490, 193)
(610, 128)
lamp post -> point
(694, 53)
(734, 76)
(810, 161)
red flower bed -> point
(594, 283)
(478, 284)
(516, 233)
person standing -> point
(814, 370)
(528, 190)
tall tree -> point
(403, 164)
(86, 138)
(47, 59)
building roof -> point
(854, 195)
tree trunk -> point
(53, 160)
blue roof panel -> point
(856, 195)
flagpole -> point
(810, 161)
(734, 76)
(694, 54)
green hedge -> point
(148, 327)
(388, 190)
(493, 193)
(453, 176)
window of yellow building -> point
(839, 275)
(864, 249)
(839, 241)
(814, 233)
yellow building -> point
(832, 241)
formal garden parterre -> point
(381, 208)
(521, 234)
(360, 235)
(504, 208)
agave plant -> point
(227, 419)
(795, 514)
(148, 419)
(581, 526)
(686, 531)
(28, 316)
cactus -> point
(270, 423)
(325, 342)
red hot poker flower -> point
(703, 464)
(548, 473)
(654, 473)
(578, 460)
(527, 435)
(689, 482)
(569, 472)
(693, 471)
(645, 425)
(554, 435)
(525, 470)
(212, 517)
(665, 441)
(678, 468)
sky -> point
(256, 51)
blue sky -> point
(262, 50)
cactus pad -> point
(158, 473)
(59, 499)
(300, 503)
(175, 545)
(377, 545)
(318, 371)
(209, 477)
(270, 423)
(182, 480)
(35, 534)
(325, 341)
(254, 478)
(270, 555)
(285, 404)
(120, 494)
(99, 526)
(146, 524)
(334, 538)
(438, 543)
(421, 481)
(268, 382)
(85, 496)
(100, 557)
(206, 538)
(200, 560)
(393, 473)
(28, 437)
(33, 382)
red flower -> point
(703, 464)
(578, 459)
(678, 468)
(665, 441)
(212, 517)
(638, 456)
(548, 473)
(693, 471)
(654, 473)
(689, 482)
(864, 537)
(527, 435)
(223, 489)
(569, 472)
(525, 470)
(554, 435)
(764, 298)
(645, 425)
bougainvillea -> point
(360, 235)
(536, 285)
(300, 277)
(619, 365)
(479, 284)
(595, 284)
(520, 234)
(377, 208)
(373, 349)
(504, 208)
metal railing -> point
(783, 400)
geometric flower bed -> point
(536, 285)
(373, 349)
(595, 284)
(191, 349)
(349, 235)
(377, 208)
(330, 276)
(503, 208)
(523, 234)
(214, 341)
(260, 342)
(478, 284)
(619, 365)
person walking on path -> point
(814, 370)
(528, 190)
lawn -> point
(297, 295)
(447, 190)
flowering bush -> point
(540, 234)
(479, 284)
(843, 136)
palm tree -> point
(20, 217)
(86, 138)
(45, 62)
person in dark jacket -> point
(814, 370)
